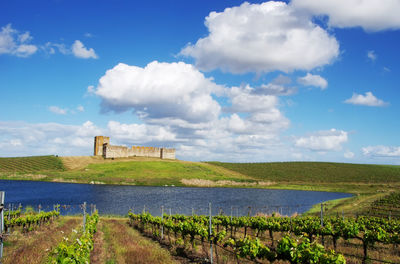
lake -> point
(118, 199)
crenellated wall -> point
(109, 151)
(146, 152)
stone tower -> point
(98, 144)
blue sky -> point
(309, 80)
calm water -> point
(114, 199)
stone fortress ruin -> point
(102, 147)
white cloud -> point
(278, 86)
(381, 151)
(262, 38)
(178, 107)
(244, 100)
(80, 51)
(371, 15)
(327, 140)
(160, 90)
(25, 139)
(348, 155)
(368, 99)
(313, 80)
(14, 43)
(51, 48)
(57, 110)
(80, 108)
(372, 55)
(140, 133)
(91, 90)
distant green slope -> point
(316, 172)
(31, 164)
(157, 172)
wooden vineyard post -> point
(2, 194)
(322, 222)
(162, 222)
(211, 247)
(84, 216)
(322, 215)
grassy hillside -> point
(150, 172)
(136, 171)
(31, 164)
(316, 172)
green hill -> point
(316, 172)
(31, 164)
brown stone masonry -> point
(102, 147)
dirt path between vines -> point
(34, 247)
(116, 242)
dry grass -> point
(125, 245)
(34, 247)
(81, 162)
(209, 183)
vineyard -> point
(386, 206)
(267, 239)
(31, 164)
(317, 172)
(47, 237)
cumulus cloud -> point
(57, 110)
(80, 108)
(15, 43)
(371, 15)
(26, 139)
(313, 80)
(160, 90)
(262, 38)
(326, 140)
(368, 99)
(381, 151)
(138, 134)
(80, 51)
(178, 106)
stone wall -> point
(109, 151)
(167, 153)
(145, 152)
